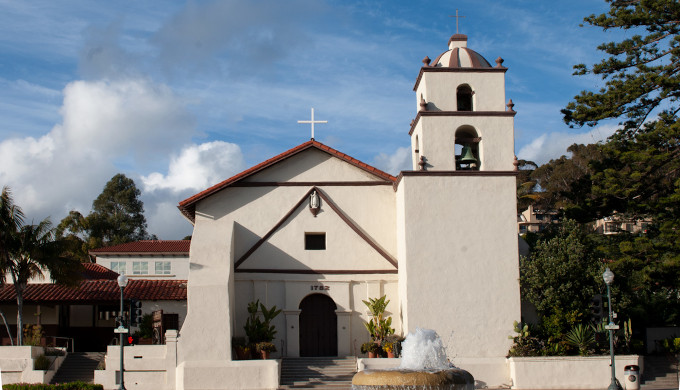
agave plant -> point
(581, 337)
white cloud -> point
(105, 125)
(166, 221)
(114, 118)
(198, 167)
(553, 145)
(396, 162)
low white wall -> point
(223, 374)
(567, 372)
(377, 363)
(16, 363)
(149, 367)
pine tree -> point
(641, 73)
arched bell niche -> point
(464, 98)
(467, 149)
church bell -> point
(466, 156)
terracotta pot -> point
(372, 355)
(390, 354)
(242, 354)
(265, 354)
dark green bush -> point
(60, 386)
(42, 362)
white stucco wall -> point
(436, 135)
(439, 90)
(286, 292)
(459, 253)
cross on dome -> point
(312, 121)
(457, 18)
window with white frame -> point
(118, 267)
(140, 268)
(162, 268)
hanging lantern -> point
(314, 203)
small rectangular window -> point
(118, 267)
(140, 268)
(162, 268)
(315, 241)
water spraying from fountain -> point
(424, 365)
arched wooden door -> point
(318, 326)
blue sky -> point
(181, 95)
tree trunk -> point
(9, 333)
(20, 315)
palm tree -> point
(28, 251)
(36, 252)
(11, 220)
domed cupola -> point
(462, 121)
(459, 56)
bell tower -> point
(457, 212)
(462, 121)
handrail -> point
(69, 342)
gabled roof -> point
(98, 291)
(188, 206)
(364, 236)
(93, 271)
(146, 246)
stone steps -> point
(661, 373)
(317, 373)
(78, 366)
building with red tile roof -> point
(86, 312)
(147, 259)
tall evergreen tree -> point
(117, 214)
(641, 73)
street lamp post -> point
(122, 282)
(608, 277)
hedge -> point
(60, 386)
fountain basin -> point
(449, 379)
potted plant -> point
(258, 325)
(378, 327)
(371, 348)
(265, 348)
(388, 347)
(243, 352)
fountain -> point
(423, 366)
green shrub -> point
(582, 337)
(61, 386)
(42, 362)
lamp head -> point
(608, 276)
(122, 281)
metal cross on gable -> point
(312, 121)
(457, 18)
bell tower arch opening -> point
(464, 98)
(467, 149)
(318, 326)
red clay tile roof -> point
(94, 271)
(188, 206)
(146, 246)
(98, 291)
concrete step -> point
(78, 366)
(317, 373)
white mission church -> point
(315, 231)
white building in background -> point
(147, 259)
(314, 232)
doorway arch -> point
(318, 326)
